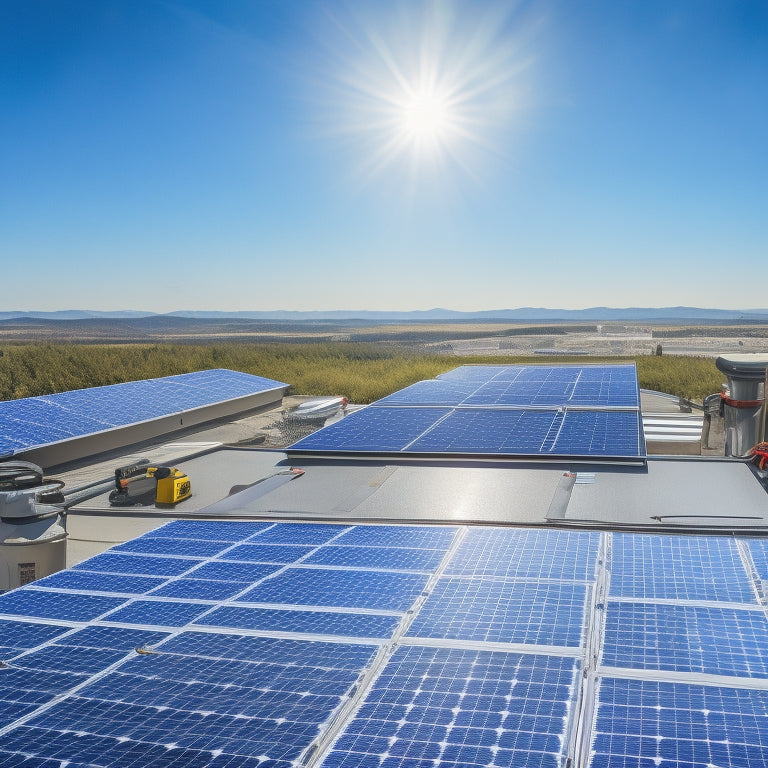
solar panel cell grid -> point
(677, 725)
(340, 589)
(223, 570)
(409, 536)
(117, 638)
(679, 568)
(600, 433)
(433, 392)
(380, 558)
(510, 553)
(23, 635)
(480, 431)
(158, 545)
(267, 553)
(209, 530)
(503, 612)
(64, 606)
(460, 727)
(686, 638)
(158, 613)
(206, 711)
(481, 373)
(201, 589)
(759, 551)
(311, 622)
(87, 581)
(299, 533)
(376, 429)
(85, 661)
(115, 562)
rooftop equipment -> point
(744, 401)
(140, 485)
(32, 525)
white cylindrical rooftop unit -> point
(744, 402)
(33, 537)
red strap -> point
(741, 403)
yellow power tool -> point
(142, 485)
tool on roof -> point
(142, 485)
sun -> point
(425, 87)
(426, 118)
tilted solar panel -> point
(596, 386)
(589, 412)
(482, 432)
(38, 421)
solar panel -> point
(591, 385)
(378, 429)
(339, 588)
(308, 622)
(181, 706)
(459, 708)
(679, 568)
(37, 421)
(409, 536)
(482, 432)
(379, 558)
(268, 553)
(87, 581)
(551, 385)
(158, 613)
(115, 562)
(648, 723)
(499, 411)
(534, 613)
(431, 392)
(482, 373)
(201, 589)
(301, 533)
(157, 545)
(390, 646)
(209, 530)
(512, 553)
(63, 606)
(759, 551)
(686, 638)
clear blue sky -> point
(292, 154)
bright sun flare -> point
(428, 85)
(426, 117)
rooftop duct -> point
(744, 401)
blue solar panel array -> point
(518, 385)
(37, 421)
(685, 607)
(342, 646)
(499, 411)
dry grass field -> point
(363, 361)
(362, 372)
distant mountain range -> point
(537, 314)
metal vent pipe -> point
(744, 401)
